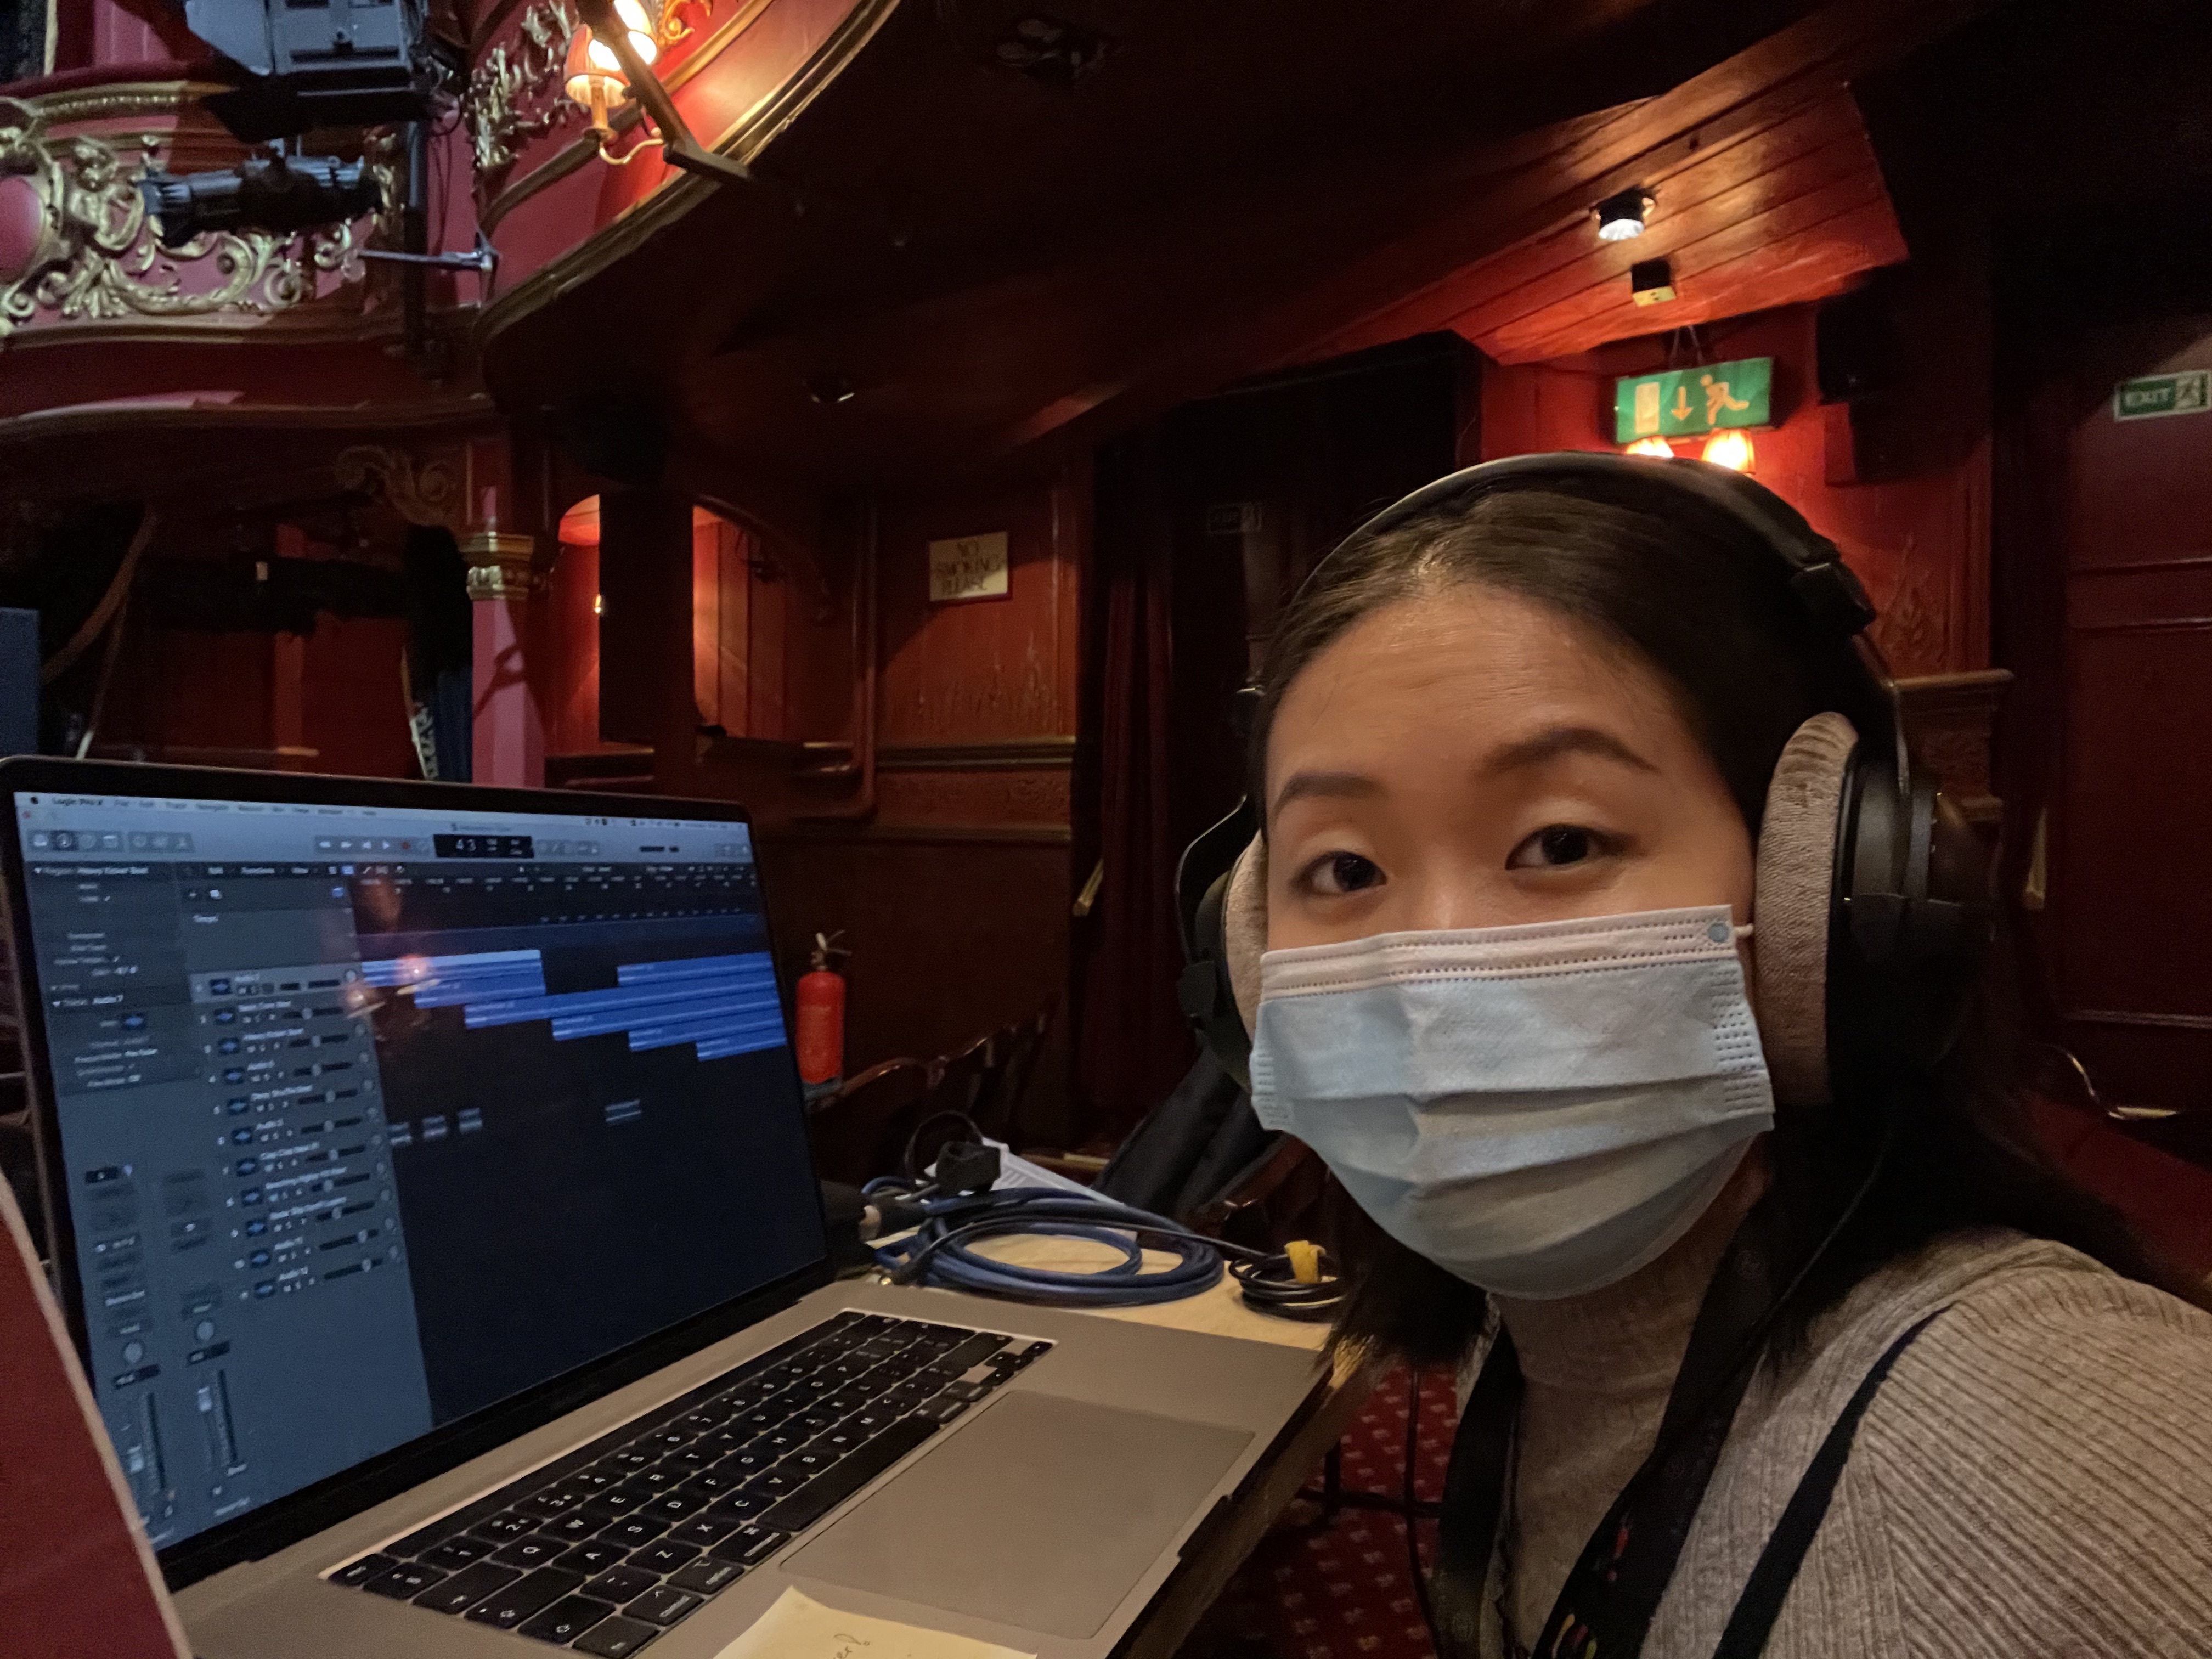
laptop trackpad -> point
(1043, 1513)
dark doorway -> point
(1207, 520)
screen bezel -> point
(286, 1520)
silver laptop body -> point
(427, 1184)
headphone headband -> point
(1824, 588)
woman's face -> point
(1469, 758)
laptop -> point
(427, 1192)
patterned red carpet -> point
(1341, 1591)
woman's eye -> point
(1558, 845)
(1337, 873)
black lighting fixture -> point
(1048, 49)
(265, 193)
(1651, 281)
(334, 63)
(1620, 217)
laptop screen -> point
(372, 1117)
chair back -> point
(860, 1132)
(997, 1110)
(1283, 1195)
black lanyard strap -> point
(1608, 1600)
(1607, 1603)
(1768, 1587)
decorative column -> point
(506, 572)
(509, 730)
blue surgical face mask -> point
(1541, 1110)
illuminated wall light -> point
(599, 605)
(1655, 446)
(1732, 450)
(595, 78)
(1620, 217)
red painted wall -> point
(1919, 541)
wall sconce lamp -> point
(1658, 448)
(1731, 449)
(612, 56)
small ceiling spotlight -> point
(1620, 217)
(1659, 448)
(827, 389)
(1651, 281)
(1731, 449)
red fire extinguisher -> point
(821, 1013)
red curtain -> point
(1131, 1044)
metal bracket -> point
(484, 261)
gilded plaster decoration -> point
(517, 94)
(503, 566)
(93, 256)
(429, 494)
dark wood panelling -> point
(955, 895)
(2130, 908)
(1001, 669)
(1919, 540)
(1948, 718)
(352, 702)
(645, 578)
(951, 937)
(1024, 796)
(567, 670)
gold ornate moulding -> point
(78, 252)
(428, 492)
(503, 565)
(517, 92)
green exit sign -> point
(1684, 402)
(2183, 393)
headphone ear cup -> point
(1244, 929)
(1793, 902)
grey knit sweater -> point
(2033, 1481)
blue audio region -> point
(723, 1006)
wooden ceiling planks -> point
(1793, 212)
(1786, 204)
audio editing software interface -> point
(371, 1118)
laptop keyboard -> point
(606, 1547)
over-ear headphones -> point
(1868, 916)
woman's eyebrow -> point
(1340, 786)
(1557, 740)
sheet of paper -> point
(1015, 1170)
(799, 1628)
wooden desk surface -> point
(1219, 1312)
(1272, 1483)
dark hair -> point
(1686, 593)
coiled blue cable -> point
(937, 1252)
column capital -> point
(503, 565)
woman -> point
(1512, 756)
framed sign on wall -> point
(968, 567)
